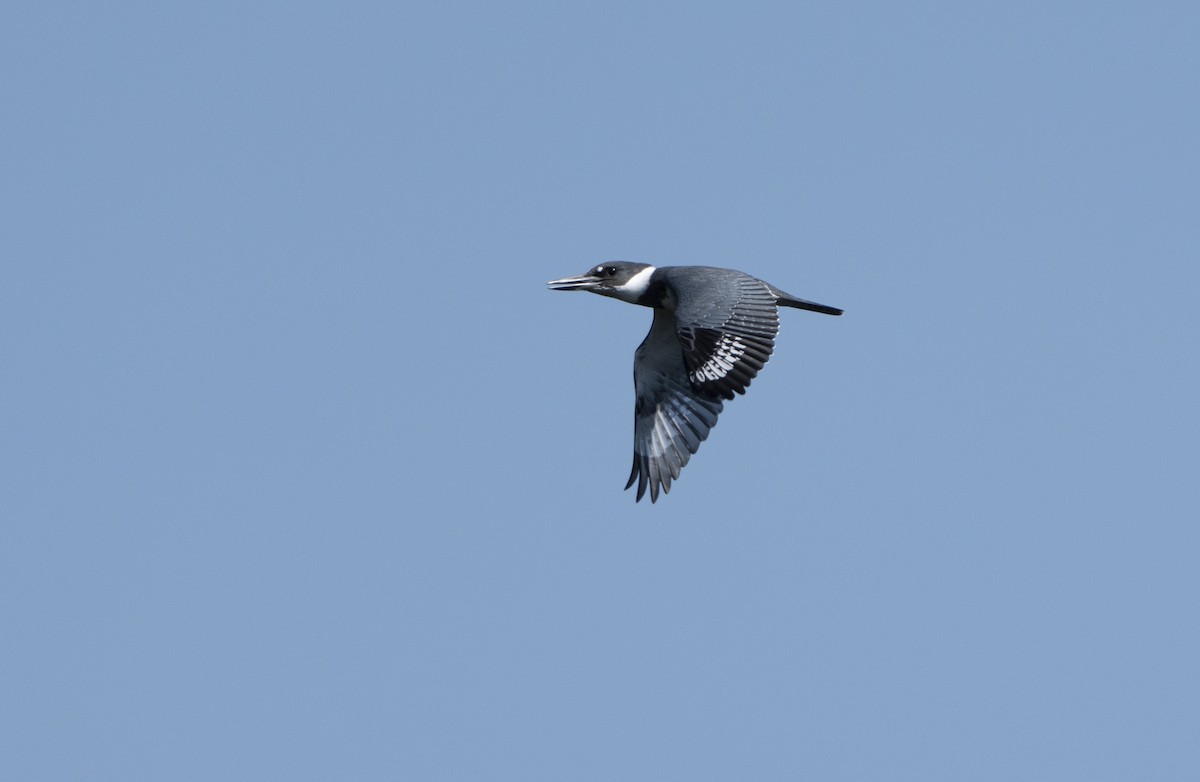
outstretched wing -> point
(671, 417)
(727, 322)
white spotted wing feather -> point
(727, 332)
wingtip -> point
(638, 473)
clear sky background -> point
(305, 474)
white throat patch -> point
(636, 286)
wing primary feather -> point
(657, 455)
(686, 430)
(670, 457)
(641, 490)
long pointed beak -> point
(584, 283)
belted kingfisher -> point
(713, 330)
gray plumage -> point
(713, 331)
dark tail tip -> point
(811, 306)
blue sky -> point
(307, 476)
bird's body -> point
(713, 331)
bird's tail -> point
(787, 300)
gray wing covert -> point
(726, 322)
(671, 418)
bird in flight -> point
(713, 330)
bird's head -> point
(619, 279)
